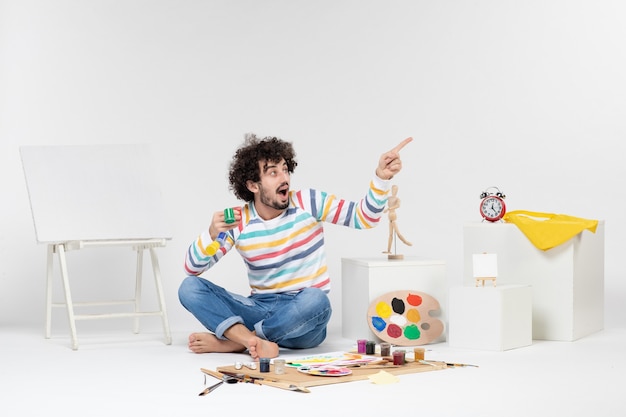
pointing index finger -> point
(402, 144)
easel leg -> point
(138, 277)
(68, 295)
(49, 275)
(159, 287)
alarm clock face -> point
(492, 208)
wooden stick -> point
(215, 374)
(282, 385)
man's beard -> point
(275, 204)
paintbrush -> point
(460, 365)
(372, 365)
(448, 364)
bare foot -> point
(261, 348)
(208, 343)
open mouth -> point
(283, 191)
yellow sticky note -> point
(383, 378)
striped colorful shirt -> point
(286, 254)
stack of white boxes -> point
(567, 281)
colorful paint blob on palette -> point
(404, 318)
(325, 370)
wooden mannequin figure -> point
(392, 204)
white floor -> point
(124, 374)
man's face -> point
(273, 191)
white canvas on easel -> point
(92, 196)
(485, 267)
(98, 192)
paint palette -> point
(325, 370)
(405, 318)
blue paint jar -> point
(264, 364)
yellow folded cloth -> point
(547, 230)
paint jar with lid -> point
(264, 364)
(229, 215)
(385, 349)
(370, 347)
(216, 244)
(418, 354)
(398, 357)
(279, 366)
(360, 345)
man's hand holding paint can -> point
(232, 216)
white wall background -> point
(529, 96)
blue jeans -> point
(292, 320)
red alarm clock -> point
(492, 206)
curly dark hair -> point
(245, 164)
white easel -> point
(96, 196)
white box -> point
(363, 280)
(490, 318)
(567, 281)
